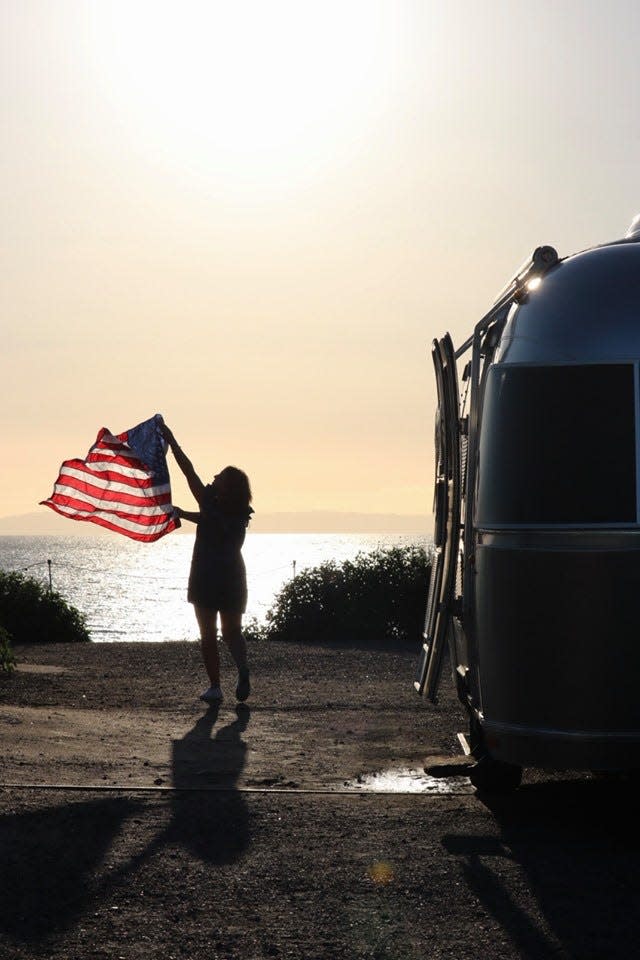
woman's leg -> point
(231, 624)
(232, 636)
(209, 642)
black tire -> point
(494, 776)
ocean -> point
(137, 591)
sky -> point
(254, 218)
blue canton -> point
(146, 442)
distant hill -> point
(47, 523)
(326, 521)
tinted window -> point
(558, 445)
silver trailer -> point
(535, 582)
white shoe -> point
(212, 695)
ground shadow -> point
(50, 859)
(210, 816)
(576, 845)
(47, 861)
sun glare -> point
(245, 82)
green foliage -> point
(32, 614)
(376, 600)
(7, 658)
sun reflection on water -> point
(136, 591)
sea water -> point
(137, 591)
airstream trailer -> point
(535, 580)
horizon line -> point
(291, 521)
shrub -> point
(377, 599)
(32, 614)
(7, 658)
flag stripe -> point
(143, 521)
(109, 521)
(111, 470)
(99, 486)
(109, 477)
(118, 465)
(69, 495)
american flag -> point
(122, 484)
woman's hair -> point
(238, 492)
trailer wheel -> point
(494, 776)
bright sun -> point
(245, 82)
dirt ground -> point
(136, 823)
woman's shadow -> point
(209, 813)
(52, 859)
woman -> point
(218, 580)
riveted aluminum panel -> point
(559, 634)
(586, 309)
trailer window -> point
(557, 445)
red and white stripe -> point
(113, 488)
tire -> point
(494, 776)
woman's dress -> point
(218, 578)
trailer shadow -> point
(575, 846)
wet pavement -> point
(411, 781)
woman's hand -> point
(193, 516)
(167, 434)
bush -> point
(32, 614)
(376, 600)
(7, 658)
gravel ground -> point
(134, 823)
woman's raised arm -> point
(195, 483)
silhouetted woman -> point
(218, 579)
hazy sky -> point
(255, 217)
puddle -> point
(409, 781)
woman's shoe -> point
(244, 687)
(212, 695)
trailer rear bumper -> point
(561, 749)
